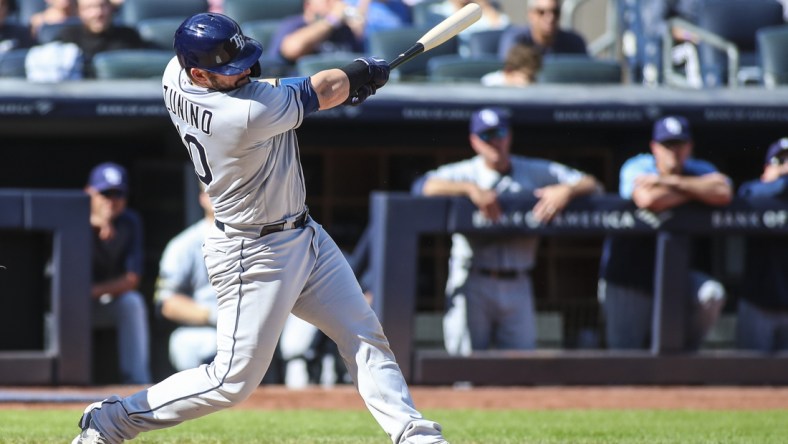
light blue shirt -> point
(643, 164)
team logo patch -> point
(112, 176)
(673, 125)
(489, 117)
(238, 40)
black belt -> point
(500, 274)
(299, 222)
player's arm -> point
(554, 198)
(658, 193)
(182, 309)
(485, 200)
(115, 287)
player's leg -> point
(128, 314)
(516, 314)
(706, 303)
(192, 346)
(479, 297)
(256, 281)
(332, 300)
(628, 316)
(755, 328)
(456, 337)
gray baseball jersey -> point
(244, 149)
(483, 311)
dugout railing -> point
(398, 219)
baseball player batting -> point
(266, 256)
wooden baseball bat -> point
(440, 33)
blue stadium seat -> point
(390, 43)
(49, 32)
(772, 44)
(26, 9)
(455, 68)
(248, 10)
(484, 43)
(159, 31)
(423, 16)
(12, 64)
(131, 63)
(736, 21)
(261, 30)
(133, 11)
(571, 68)
(310, 64)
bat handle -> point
(412, 52)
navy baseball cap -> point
(109, 176)
(671, 128)
(776, 149)
(486, 119)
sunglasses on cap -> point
(778, 159)
(113, 194)
(495, 133)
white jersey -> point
(243, 146)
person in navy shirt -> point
(763, 306)
(543, 32)
(656, 182)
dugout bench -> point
(397, 220)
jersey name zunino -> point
(187, 111)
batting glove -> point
(361, 94)
(378, 70)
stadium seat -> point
(579, 69)
(133, 11)
(248, 10)
(26, 9)
(484, 43)
(455, 68)
(131, 63)
(726, 29)
(423, 16)
(12, 64)
(310, 64)
(772, 44)
(49, 32)
(159, 31)
(261, 30)
(390, 43)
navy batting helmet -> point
(215, 43)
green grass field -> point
(460, 427)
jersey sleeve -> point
(564, 174)
(273, 110)
(632, 168)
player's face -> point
(671, 155)
(494, 146)
(226, 83)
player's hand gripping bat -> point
(443, 31)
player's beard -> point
(219, 83)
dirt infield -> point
(536, 398)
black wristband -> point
(357, 73)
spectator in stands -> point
(763, 306)
(490, 296)
(216, 6)
(99, 33)
(57, 11)
(325, 26)
(667, 177)
(493, 18)
(520, 68)
(12, 36)
(184, 294)
(543, 32)
(117, 270)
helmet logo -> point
(238, 40)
